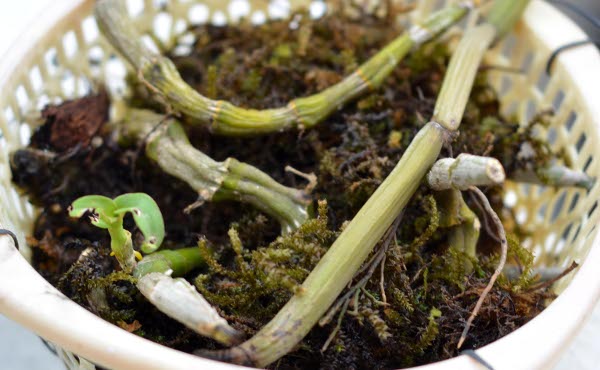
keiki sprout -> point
(155, 274)
(107, 213)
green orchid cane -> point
(222, 117)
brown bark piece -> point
(75, 122)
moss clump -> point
(254, 285)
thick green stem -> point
(463, 224)
(459, 79)
(122, 246)
(215, 181)
(179, 261)
(341, 262)
(223, 117)
(344, 258)
(464, 237)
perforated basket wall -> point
(72, 58)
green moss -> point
(525, 259)
(261, 281)
(431, 332)
(212, 78)
(401, 300)
(252, 82)
(432, 221)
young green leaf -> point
(147, 217)
(102, 209)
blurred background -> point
(21, 349)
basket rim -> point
(535, 345)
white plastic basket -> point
(62, 54)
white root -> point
(179, 300)
(503, 253)
(465, 171)
(556, 175)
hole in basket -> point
(549, 242)
(505, 85)
(527, 243)
(24, 134)
(530, 111)
(580, 142)
(180, 26)
(558, 206)
(574, 202)
(238, 9)
(35, 76)
(527, 62)
(84, 86)
(115, 68)
(510, 199)
(279, 9)
(576, 234)
(41, 102)
(552, 136)
(162, 26)
(9, 115)
(593, 209)
(69, 43)
(537, 250)
(543, 81)
(90, 30)
(509, 45)
(560, 247)
(147, 40)
(566, 262)
(541, 213)
(67, 84)
(571, 121)
(219, 19)
(135, 7)
(558, 100)
(51, 61)
(567, 231)
(198, 14)
(317, 9)
(521, 216)
(187, 39)
(160, 4)
(258, 17)
(182, 50)
(22, 98)
(95, 56)
(588, 163)
(589, 234)
(115, 73)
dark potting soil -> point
(428, 293)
